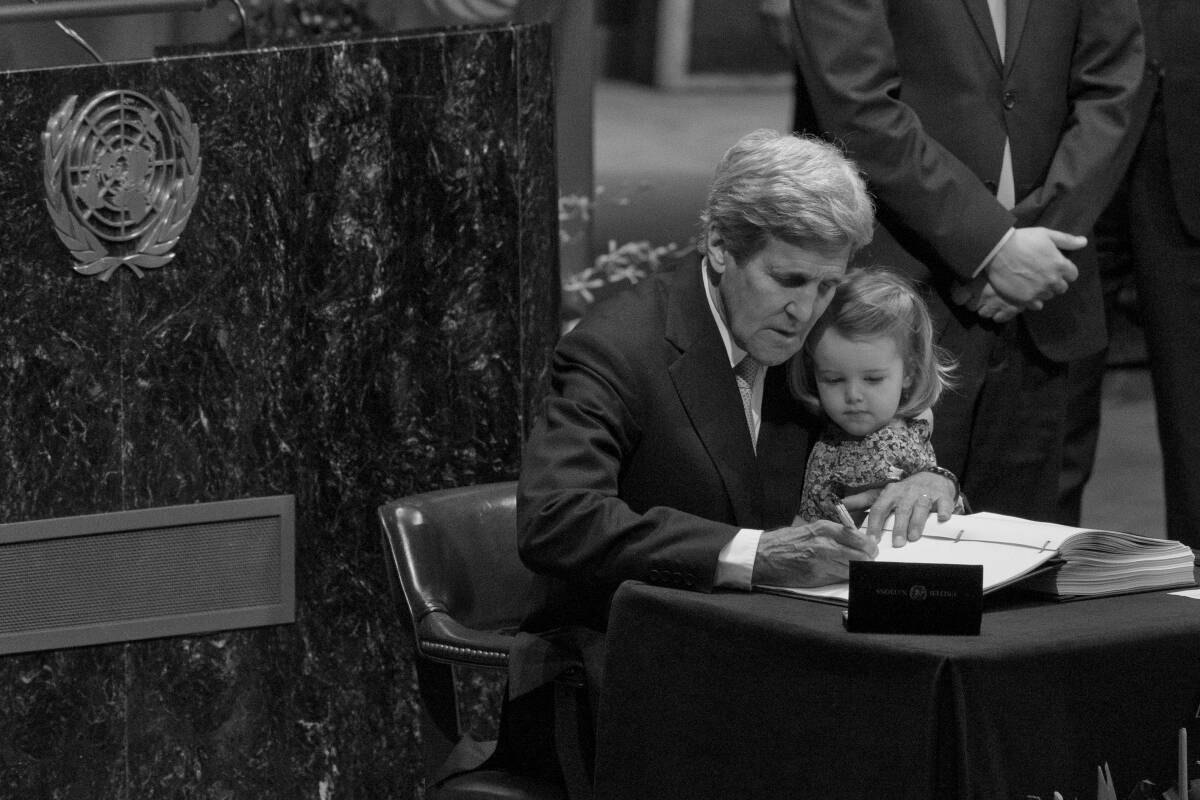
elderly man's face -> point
(771, 301)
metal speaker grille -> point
(134, 575)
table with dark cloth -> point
(731, 695)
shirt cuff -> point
(735, 564)
(992, 254)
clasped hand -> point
(1029, 269)
(818, 553)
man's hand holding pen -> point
(810, 554)
(819, 553)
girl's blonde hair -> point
(877, 302)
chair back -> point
(454, 556)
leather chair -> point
(453, 555)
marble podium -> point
(360, 306)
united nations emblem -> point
(121, 178)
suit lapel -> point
(982, 17)
(708, 392)
(1015, 14)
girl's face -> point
(859, 381)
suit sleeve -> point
(847, 57)
(1106, 71)
(572, 521)
(1177, 32)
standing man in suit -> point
(1164, 230)
(1154, 224)
(988, 131)
(670, 449)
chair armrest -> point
(442, 638)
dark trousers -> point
(1085, 384)
(1085, 378)
(1167, 272)
(1142, 232)
(1001, 429)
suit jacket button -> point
(1010, 99)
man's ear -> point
(717, 255)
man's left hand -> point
(994, 307)
(910, 500)
(982, 298)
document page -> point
(1006, 548)
(1001, 529)
(1009, 548)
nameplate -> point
(915, 598)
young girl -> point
(870, 367)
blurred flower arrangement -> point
(289, 21)
(619, 267)
(473, 12)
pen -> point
(845, 517)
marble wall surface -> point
(361, 307)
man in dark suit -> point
(1164, 230)
(1153, 227)
(645, 465)
(988, 132)
(655, 461)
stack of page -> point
(1052, 559)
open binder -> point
(1050, 559)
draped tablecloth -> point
(732, 695)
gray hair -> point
(796, 188)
